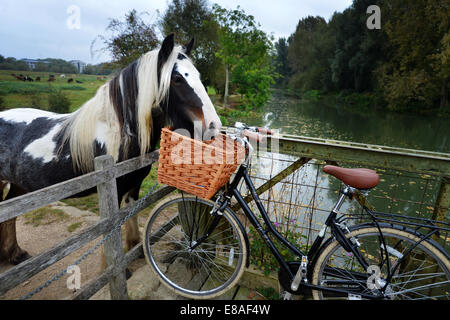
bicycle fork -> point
(217, 213)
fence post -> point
(113, 249)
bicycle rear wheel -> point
(423, 274)
(208, 270)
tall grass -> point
(2, 103)
(58, 102)
(9, 87)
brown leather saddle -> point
(359, 178)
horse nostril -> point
(212, 125)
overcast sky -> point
(40, 29)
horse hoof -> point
(21, 257)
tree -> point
(194, 19)
(309, 52)
(58, 65)
(98, 69)
(415, 75)
(281, 62)
(129, 39)
(244, 50)
(358, 51)
(11, 63)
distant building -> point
(80, 65)
(33, 62)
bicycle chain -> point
(90, 251)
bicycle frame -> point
(232, 190)
(332, 222)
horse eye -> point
(178, 79)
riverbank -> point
(233, 111)
(359, 102)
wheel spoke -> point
(419, 272)
(212, 265)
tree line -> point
(52, 65)
(404, 65)
(231, 52)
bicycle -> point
(199, 248)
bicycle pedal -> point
(301, 274)
(287, 296)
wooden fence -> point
(104, 177)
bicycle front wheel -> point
(423, 273)
(194, 271)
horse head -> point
(187, 105)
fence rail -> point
(417, 161)
(406, 160)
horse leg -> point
(9, 248)
(3, 189)
(132, 228)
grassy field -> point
(16, 93)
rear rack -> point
(402, 220)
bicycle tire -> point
(403, 239)
(219, 254)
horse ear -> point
(166, 49)
(188, 47)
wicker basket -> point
(198, 167)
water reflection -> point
(314, 119)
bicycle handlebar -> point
(253, 133)
(255, 136)
(265, 130)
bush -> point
(313, 95)
(36, 100)
(58, 102)
(262, 257)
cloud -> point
(38, 29)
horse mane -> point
(120, 110)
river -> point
(313, 119)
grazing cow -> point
(70, 80)
(20, 77)
(38, 78)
